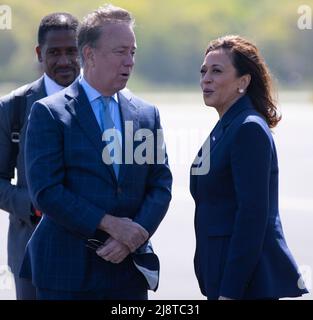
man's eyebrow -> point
(61, 47)
(124, 47)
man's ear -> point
(38, 51)
(88, 54)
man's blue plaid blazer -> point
(74, 188)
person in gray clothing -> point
(58, 56)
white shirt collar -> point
(51, 86)
(91, 92)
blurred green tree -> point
(172, 36)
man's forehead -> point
(55, 36)
(65, 43)
(118, 32)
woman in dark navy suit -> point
(241, 252)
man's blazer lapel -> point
(80, 108)
(128, 113)
(36, 92)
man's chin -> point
(122, 86)
(65, 81)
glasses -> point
(94, 244)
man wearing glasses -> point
(92, 242)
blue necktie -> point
(106, 119)
(108, 123)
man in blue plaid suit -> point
(93, 240)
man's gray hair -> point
(94, 23)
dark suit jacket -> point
(241, 251)
(74, 188)
(15, 199)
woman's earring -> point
(241, 90)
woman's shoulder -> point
(256, 120)
(253, 127)
(250, 118)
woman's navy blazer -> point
(241, 251)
